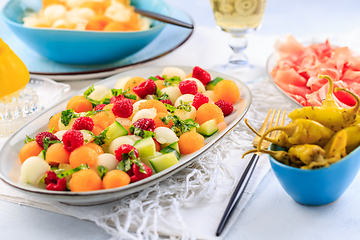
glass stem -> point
(238, 43)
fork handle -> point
(239, 190)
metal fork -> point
(241, 186)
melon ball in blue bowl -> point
(83, 46)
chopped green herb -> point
(102, 171)
(67, 115)
(72, 171)
(47, 142)
(100, 139)
(89, 91)
(180, 126)
(170, 108)
(185, 105)
(153, 78)
(171, 81)
(28, 139)
(140, 132)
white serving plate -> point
(10, 164)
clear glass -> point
(239, 17)
(18, 108)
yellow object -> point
(13, 73)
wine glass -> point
(239, 17)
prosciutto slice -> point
(298, 69)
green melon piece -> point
(115, 130)
(163, 162)
(211, 85)
(146, 147)
(208, 128)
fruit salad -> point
(99, 15)
(109, 138)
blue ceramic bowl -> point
(83, 47)
(317, 186)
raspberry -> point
(188, 87)
(158, 77)
(199, 100)
(114, 99)
(201, 74)
(54, 183)
(225, 106)
(167, 101)
(123, 108)
(147, 124)
(83, 123)
(139, 175)
(40, 138)
(145, 88)
(72, 139)
(99, 107)
(125, 149)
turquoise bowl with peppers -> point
(320, 186)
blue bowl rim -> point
(8, 21)
(273, 160)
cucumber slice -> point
(146, 160)
(146, 147)
(211, 84)
(170, 149)
(208, 128)
(163, 162)
(175, 146)
(115, 130)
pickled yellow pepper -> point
(302, 131)
(332, 117)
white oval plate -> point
(10, 164)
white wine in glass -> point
(238, 17)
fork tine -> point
(276, 122)
(282, 123)
(262, 128)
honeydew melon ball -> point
(200, 85)
(174, 71)
(33, 169)
(117, 142)
(144, 113)
(60, 134)
(165, 135)
(211, 95)
(88, 137)
(120, 84)
(108, 160)
(184, 98)
(183, 114)
(173, 92)
(68, 127)
(137, 104)
(100, 93)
